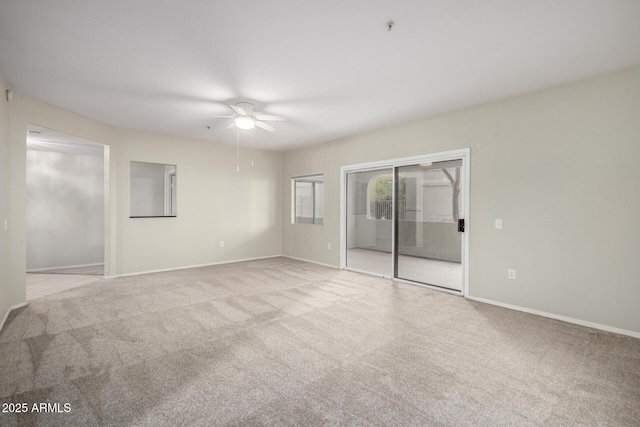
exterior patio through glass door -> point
(370, 221)
(429, 223)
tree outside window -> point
(381, 197)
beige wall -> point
(214, 201)
(65, 194)
(6, 300)
(558, 166)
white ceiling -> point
(329, 66)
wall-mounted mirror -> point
(153, 190)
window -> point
(308, 199)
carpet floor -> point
(283, 342)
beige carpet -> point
(282, 342)
(40, 285)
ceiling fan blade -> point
(269, 118)
(220, 117)
(265, 126)
(238, 110)
(232, 125)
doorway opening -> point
(405, 219)
(65, 211)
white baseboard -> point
(35, 270)
(559, 317)
(162, 270)
(4, 319)
(309, 261)
(191, 266)
(6, 315)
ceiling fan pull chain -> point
(252, 149)
(237, 150)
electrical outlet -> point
(498, 224)
(511, 274)
(329, 246)
(221, 244)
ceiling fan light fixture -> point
(245, 122)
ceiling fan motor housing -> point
(247, 107)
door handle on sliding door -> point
(461, 225)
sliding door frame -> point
(464, 154)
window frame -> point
(313, 179)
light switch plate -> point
(498, 224)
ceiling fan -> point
(247, 119)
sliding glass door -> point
(430, 215)
(369, 221)
(404, 219)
